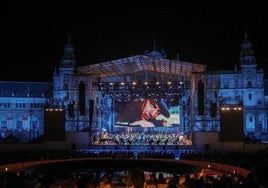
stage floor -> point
(177, 150)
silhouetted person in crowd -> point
(137, 178)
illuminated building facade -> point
(22, 108)
(95, 96)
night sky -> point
(33, 36)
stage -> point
(175, 150)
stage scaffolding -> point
(112, 80)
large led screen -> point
(147, 112)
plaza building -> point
(94, 99)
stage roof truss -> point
(140, 63)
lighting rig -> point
(128, 91)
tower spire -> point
(246, 34)
(154, 48)
(68, 59)
(69, 38)
(247, 55)
(155, 53)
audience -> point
(135, 178)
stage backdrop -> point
(130, 111)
